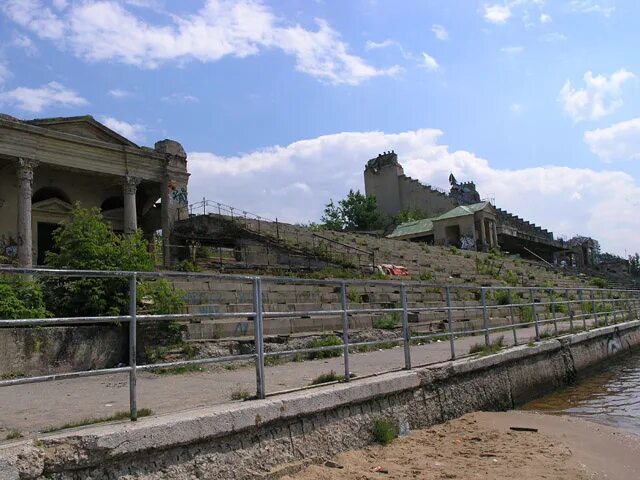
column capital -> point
(130, 185)
(25, 168)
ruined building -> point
(458, 217)
(50, 164)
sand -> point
(481, 445)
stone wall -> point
(48, 350)
(255, 439)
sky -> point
(280, 103)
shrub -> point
(510, 278)
(186, 266)
(20, 298)
(501, 297)
(354, 295)
(527, 314)
(384, 430)
(326, 341)
(86, 241)
(599, 282)
(426, 276)
(387, 322)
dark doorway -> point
(45, 239)
(452, 234)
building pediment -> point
(52, 206)
(85, 126)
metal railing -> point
(313, 243)
(564, 310)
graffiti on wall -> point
(178, 196)
(467, 242)
(8, 245)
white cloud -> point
(600, 204)
(4, 73)
(515, 107)
(35, 16)
(429, 62)
(24, 42)
(601, 96)
(132, 131)
(553, 37)
(440, 32)
(371, 45)
(592, 6)
(545, 18)
(497, 13)
(620, 141)
(512, 50)
(119, 93)
(104, 30)
(180, 98)
(35, 100)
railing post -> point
(204, 206)
(606, 309)
(447, 291)
(258, 336)
(219, 210)
(405, 327)
(345, 330)
(535, 315)
(552, 297)
(593, 307)
(485, 317)
(133, 404)
(584, 317)
(277, 230)
(513, 321)
(571, 312)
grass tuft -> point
(384, 430)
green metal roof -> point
(462, 211)
(423, 226)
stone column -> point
(165, 213)
(130, 210)
(494, 230)
(25, 192)
(483, 235)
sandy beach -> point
(483, 445)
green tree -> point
(355, 212)
(87, 242)
(634, 264)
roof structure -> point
(414, 228)
(462, 211)
(425, 226)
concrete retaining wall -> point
(45, 350)
(254, 439)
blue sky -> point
(281, 103)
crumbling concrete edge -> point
(93, 446)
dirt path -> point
(481, 445)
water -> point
(609, 395)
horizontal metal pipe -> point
(63, 376)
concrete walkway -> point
(35, 407)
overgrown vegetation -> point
(384, 430)
(387, 322)
(20, 298)
(599, 282)
(326, 341)
(86, 241)
(327, 378)
(143, 412)
(494, 347)
(14, 435)
(240, 394)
